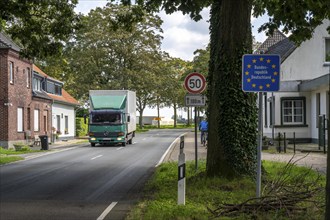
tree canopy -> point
(40, 27)
(232, 113)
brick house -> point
(22, 115)
(31, 102)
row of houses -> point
(304, 87)
(31, 103)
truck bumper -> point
(112, 140)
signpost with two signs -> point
(195, 84)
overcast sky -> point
(182, 36)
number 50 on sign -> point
(195, 83)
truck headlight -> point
(119, 139)
(93, 139)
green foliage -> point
(81, 127)
(41, 27)
(297, 17)
(203, 193)
(21, 147)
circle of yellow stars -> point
(261, 59)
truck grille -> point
(106, 134)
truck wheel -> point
(130, 141)
(93, 144)
(123, 144)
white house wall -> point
(307, 61)
(323, 110)
(300, 132)
(62, 111)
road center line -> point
(96, 157)
(107, 210)
(119, 148)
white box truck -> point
(112, 117)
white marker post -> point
(182, 174)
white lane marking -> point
(119, 148)
(144, 139)
(96, 157)
(107, 210)
(168, 149)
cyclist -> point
(203, 127)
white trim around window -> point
(293, 111)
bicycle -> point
(204, 138)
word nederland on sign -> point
(260, 72)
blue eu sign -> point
(260, 73)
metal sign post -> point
(258, 187)
(182, 174)
(195, 83)
(260, 73)
(196, 149)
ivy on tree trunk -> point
(231, 113)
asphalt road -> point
(82, 182)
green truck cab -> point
(112, 117)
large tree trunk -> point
(232, 114)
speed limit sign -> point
(195, 83)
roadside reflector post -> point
(182, 174)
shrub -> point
(81, 127)
(21, 147)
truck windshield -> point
(105, 118)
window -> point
(36, 84)
(66, 130)
(36, 120)
(327, 50)
(58, 118)
(11, 72)
(58, 90)
(54, 88)
(293, 111)
(20, 119)
(28, 77)
(50, 87)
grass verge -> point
(203, 193)
(4, 159)
(11, 155)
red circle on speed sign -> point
(195, 83)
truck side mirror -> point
(128, 118)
